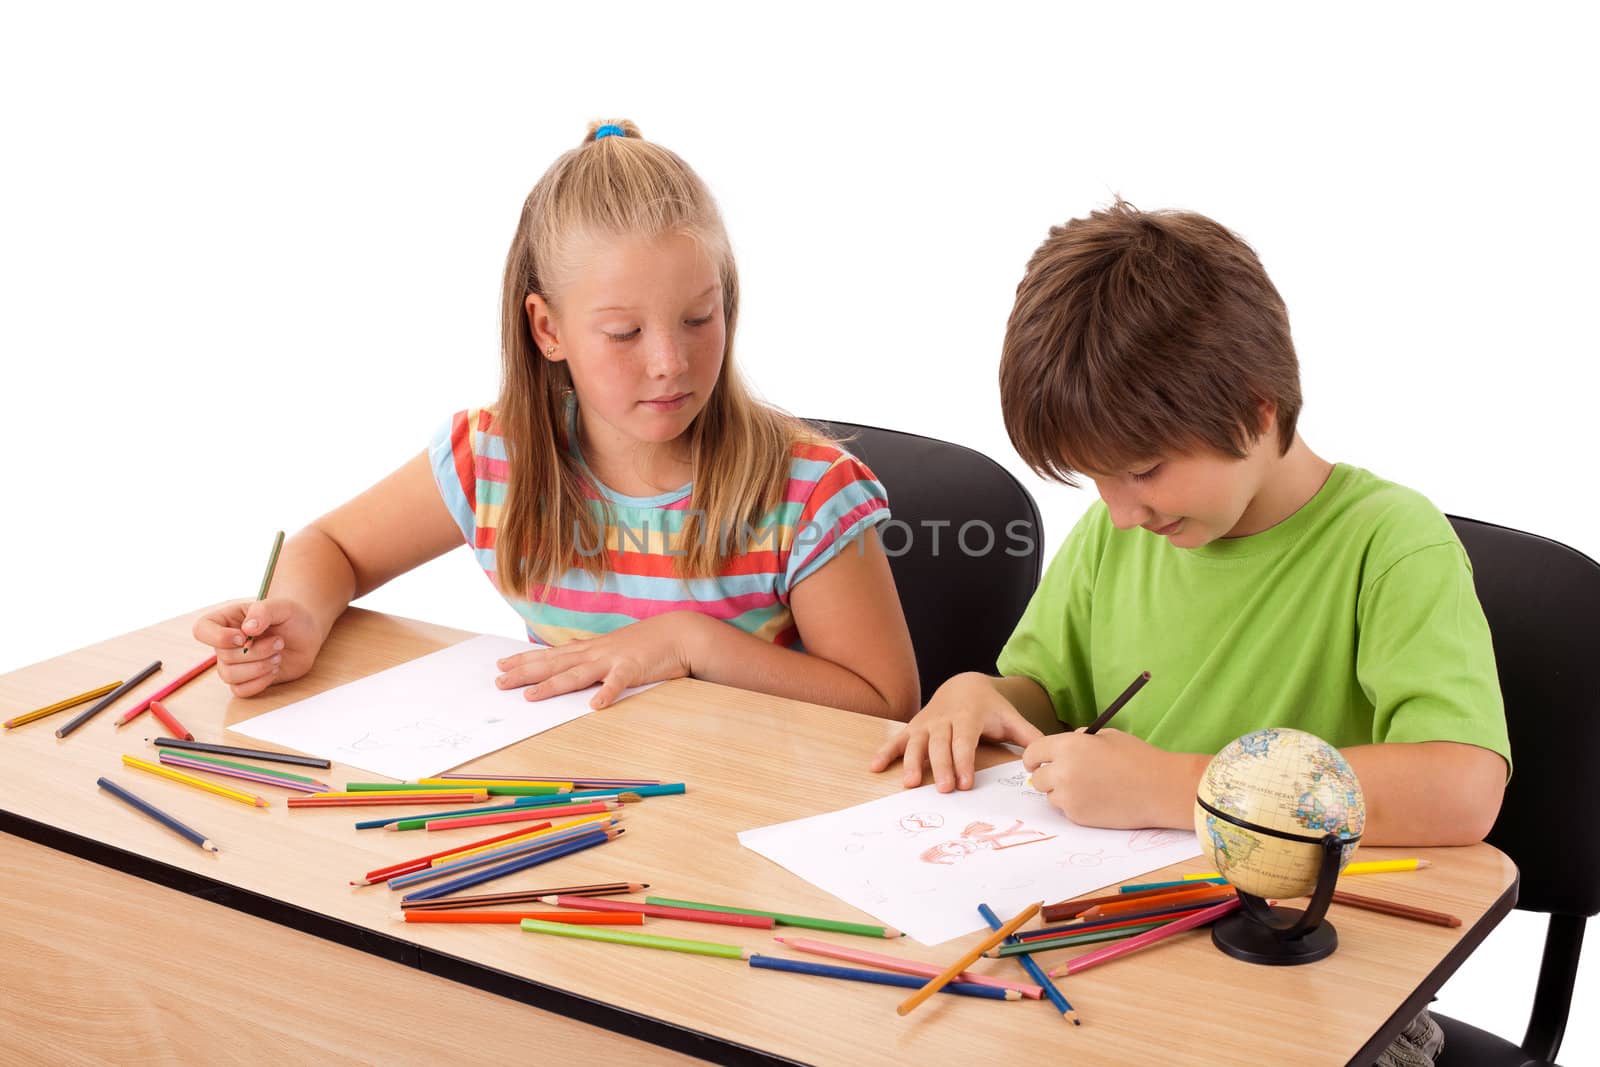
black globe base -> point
(1244, 937)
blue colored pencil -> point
(857, 974)
(497, 855)
(520, 864)
(1180, 884)
(669, 789)
(1035, 971)
(155, 813)
(518, 802)
(108, 700)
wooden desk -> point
(750, 760)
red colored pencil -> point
(456, 822)
(584, 918)
(177, 729)
(183, 679)
(663, 911)
(383, 874)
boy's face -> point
(1192, 498)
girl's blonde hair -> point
(619, 186)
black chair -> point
(1542, 600)
(965, 545)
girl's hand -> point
(1114, 779)
(287, 640)
(651, 650)
(965, 710)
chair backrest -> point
(966, 545)
(1542, 600)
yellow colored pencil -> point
(198, 783)
(1359, 867)
(529, 836)
(969, 958)
(488, 783)
(61, 705)
(378, 796)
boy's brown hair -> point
(1136, 334)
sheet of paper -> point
(422, 717)
(922, 861)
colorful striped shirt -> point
(830, 501)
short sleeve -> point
(1050, 644)
(454, 461)
(842, 501)
(1425, 657)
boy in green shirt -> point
(1258, 583)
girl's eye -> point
(1146, 475)
(630, 335)
(697, 322)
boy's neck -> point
(1288, 483)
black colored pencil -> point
(156, 813)
(1116, 705)
(266, 580)
(109, 699)
(246, 753)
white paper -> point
(922, 861)
(422, 717)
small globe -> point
(1281, 780)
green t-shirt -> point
(1354, 619)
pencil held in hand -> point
(266, 581)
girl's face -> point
(641, 328)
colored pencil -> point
(1359, 867)
(167, 690)
(529, 896)
(61, 705)
(422, 795)
(968, 958)
(1116, 705)
(266, 580)
(383, 874)
(1035, 971)
(1108, 932)
(665, 790)
(1212, 894)
(662, 911)
(546, 831)
(159, 710)
(520, 815)
(623, 937)
(1151, 887)
(553, 786)
(371, 800)
(901, 965)
(579, 918)
(1390, 907)
(856, 974)
(107, 700)
(169, 760)
(510, 850)
(521, 863)
(359, 788)
(242, 753)
(156, 813)
(1070, 909)
(1149, 937)
(1161, 914)
(186, 754)
(198, 783)
(782, 919)
(419, 822)
(577, 781)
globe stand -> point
(1277, 936)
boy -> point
(1258, 583)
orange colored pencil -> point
(182, 680)
(170, 721)
(582, 918)
(970, 957)
(1211, 894)
(1063, 910)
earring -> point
(550, 353)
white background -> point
(250, 258)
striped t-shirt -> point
(831, 499)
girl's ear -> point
(542, 325)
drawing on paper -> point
(980, 836)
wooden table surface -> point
(749, 760)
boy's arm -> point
(1030, 699)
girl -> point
(646, 517)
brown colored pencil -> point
(1116, 705)
(528, 896)
(1390, 907)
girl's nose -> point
(666, 359)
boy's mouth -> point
(1167, 530)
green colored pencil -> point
(1088, 937)
(622, 937)
(186, 754)
(266, 580)
(832, 925)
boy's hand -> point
(964, 711)
(651, 650)
(1114, 779)
(286, 642)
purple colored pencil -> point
(230, 772)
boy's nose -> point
(1124, 506)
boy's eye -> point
(630, 335)
(1146, 474)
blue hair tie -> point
(608, 130)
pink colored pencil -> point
(458, 822)
(183, 679)
(902, 965)
(378, 800)
(576, 918)
(578, 782)
(170, 721)
(231, 772)
(662, 911)
(1149, 937)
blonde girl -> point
(642, 512)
